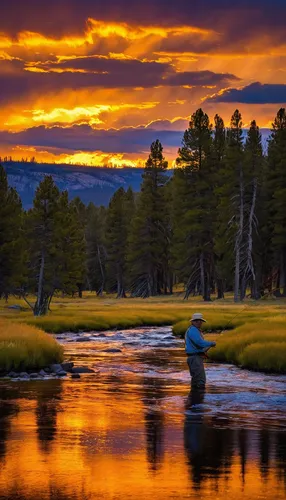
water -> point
(133, 429)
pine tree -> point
(195, 227)
(277, 186)
(218, 154)
(12, 243)
(80, 217)
(96, 248)
(148, 240)
(254, 163)
(231, 208)
(43, 235)
(116, 242)
(69, 263)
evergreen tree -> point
(96, 248)
(116, 242)
(231, 208)
(277, 186)
(43, 235)
(12, 243)
(254, 162)
(218, 153)
(193, 224)
(80, 217)
(57, 247)
(69, 263)
(148, 240)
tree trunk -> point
(249, 269)
(207, 284)
(220, 289)
(39, 301)
(120, 287)
(239, 236)
(171, 283)
(202, 270)
(282, 281)
(101, 289)
(42, 308)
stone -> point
(42, 373)
(67, 366)
(12, 374)
(83, 339)
(24, 375)
(61, 373)
(82, 369)
(75, 375)
(35, 375)
(55, 368)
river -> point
(133, 430)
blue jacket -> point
(195, 342)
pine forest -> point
(217, 224)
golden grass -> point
(259, 346)
(259, 323)
(23, 347)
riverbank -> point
(257, 345)
(257, 340)
(24, 347)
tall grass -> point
(258, 346)
(23, 347)
(257, 326)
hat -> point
(197, 316)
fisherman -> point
(196, 347)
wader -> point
(197, 370)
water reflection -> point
(48, 404)
(153, 394)
(8, 409)
(209, 450)
(135, 431)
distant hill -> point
(91, 184)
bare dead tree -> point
(239, 236)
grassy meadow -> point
(24, 347)
(255, 335)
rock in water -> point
(67, 366)
(82, 369)
(55, 368)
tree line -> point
(216, 225)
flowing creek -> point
(133, 429)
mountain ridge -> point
(91, 184)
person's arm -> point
(198, 341)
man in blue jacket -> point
(196, 347)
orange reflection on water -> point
(114, 439)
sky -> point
(95, 82)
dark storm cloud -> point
(84, 138)
(16, 82)
(199, 78)
(114, 66)
(256, 93)
(58, 17)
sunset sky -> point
(96, 81)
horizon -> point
(94, 84)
